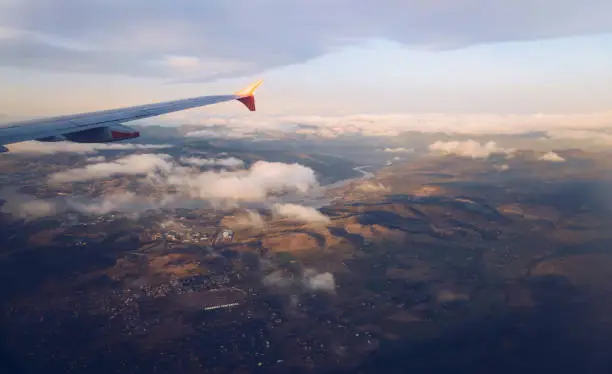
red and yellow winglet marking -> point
(247, 95)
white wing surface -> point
(106, 126)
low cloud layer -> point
(29, 207)
(248, 220)
(129, 165)
(174, 181)
(169, 184)
(398, 150)
(34, 147)
(310, 280)
(502, 167)
(226, 132)
(314, 280)
(588, 127)
(117, 202)
(25, 206)
(552, 157)
(468, 148)
(255, 184)
(300, 213)
(96, 159)
(231, 162)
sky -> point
(318, 57)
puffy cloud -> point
(310, 280)
(96, 159)
(219, 133)
(37, 208)
(127, 202)
(570, 126)
(25, 206)
(133, 37)
(300, 213)
(34, 147)
(398, 150)
(104, 204)
(174, 185)
(231, 162)
(128, 165)
(249, 219)
(591, 135)
(314, 280)
(468, 148)
(552, 157)
(277, 279)
(256, 184)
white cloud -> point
(26, 206)
(105, 204)
(559, 126)
(231, 162)
(249, 219)
(220, 133)
(468, 148)
(176, 186)
(552, 157)
(34, 147)
(204, 134)
(310, 280)
(256, 184)
(277, 279)
(128, 165)
(96, 159)
(300, 213)
(591, 135)
(399, 150)
(314, 280)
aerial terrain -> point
(418, 187)
(287, 252)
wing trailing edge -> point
(80, 126)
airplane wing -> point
(107, 125)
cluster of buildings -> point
(186, 237)
(225, 235)
(191, 237)
(75, 219)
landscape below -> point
(437, 264)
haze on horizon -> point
(319, 57)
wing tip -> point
(250, 89)
(248, 101)
(247, 95)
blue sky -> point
(318, 57)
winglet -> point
(247, 95)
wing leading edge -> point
(60, 128)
